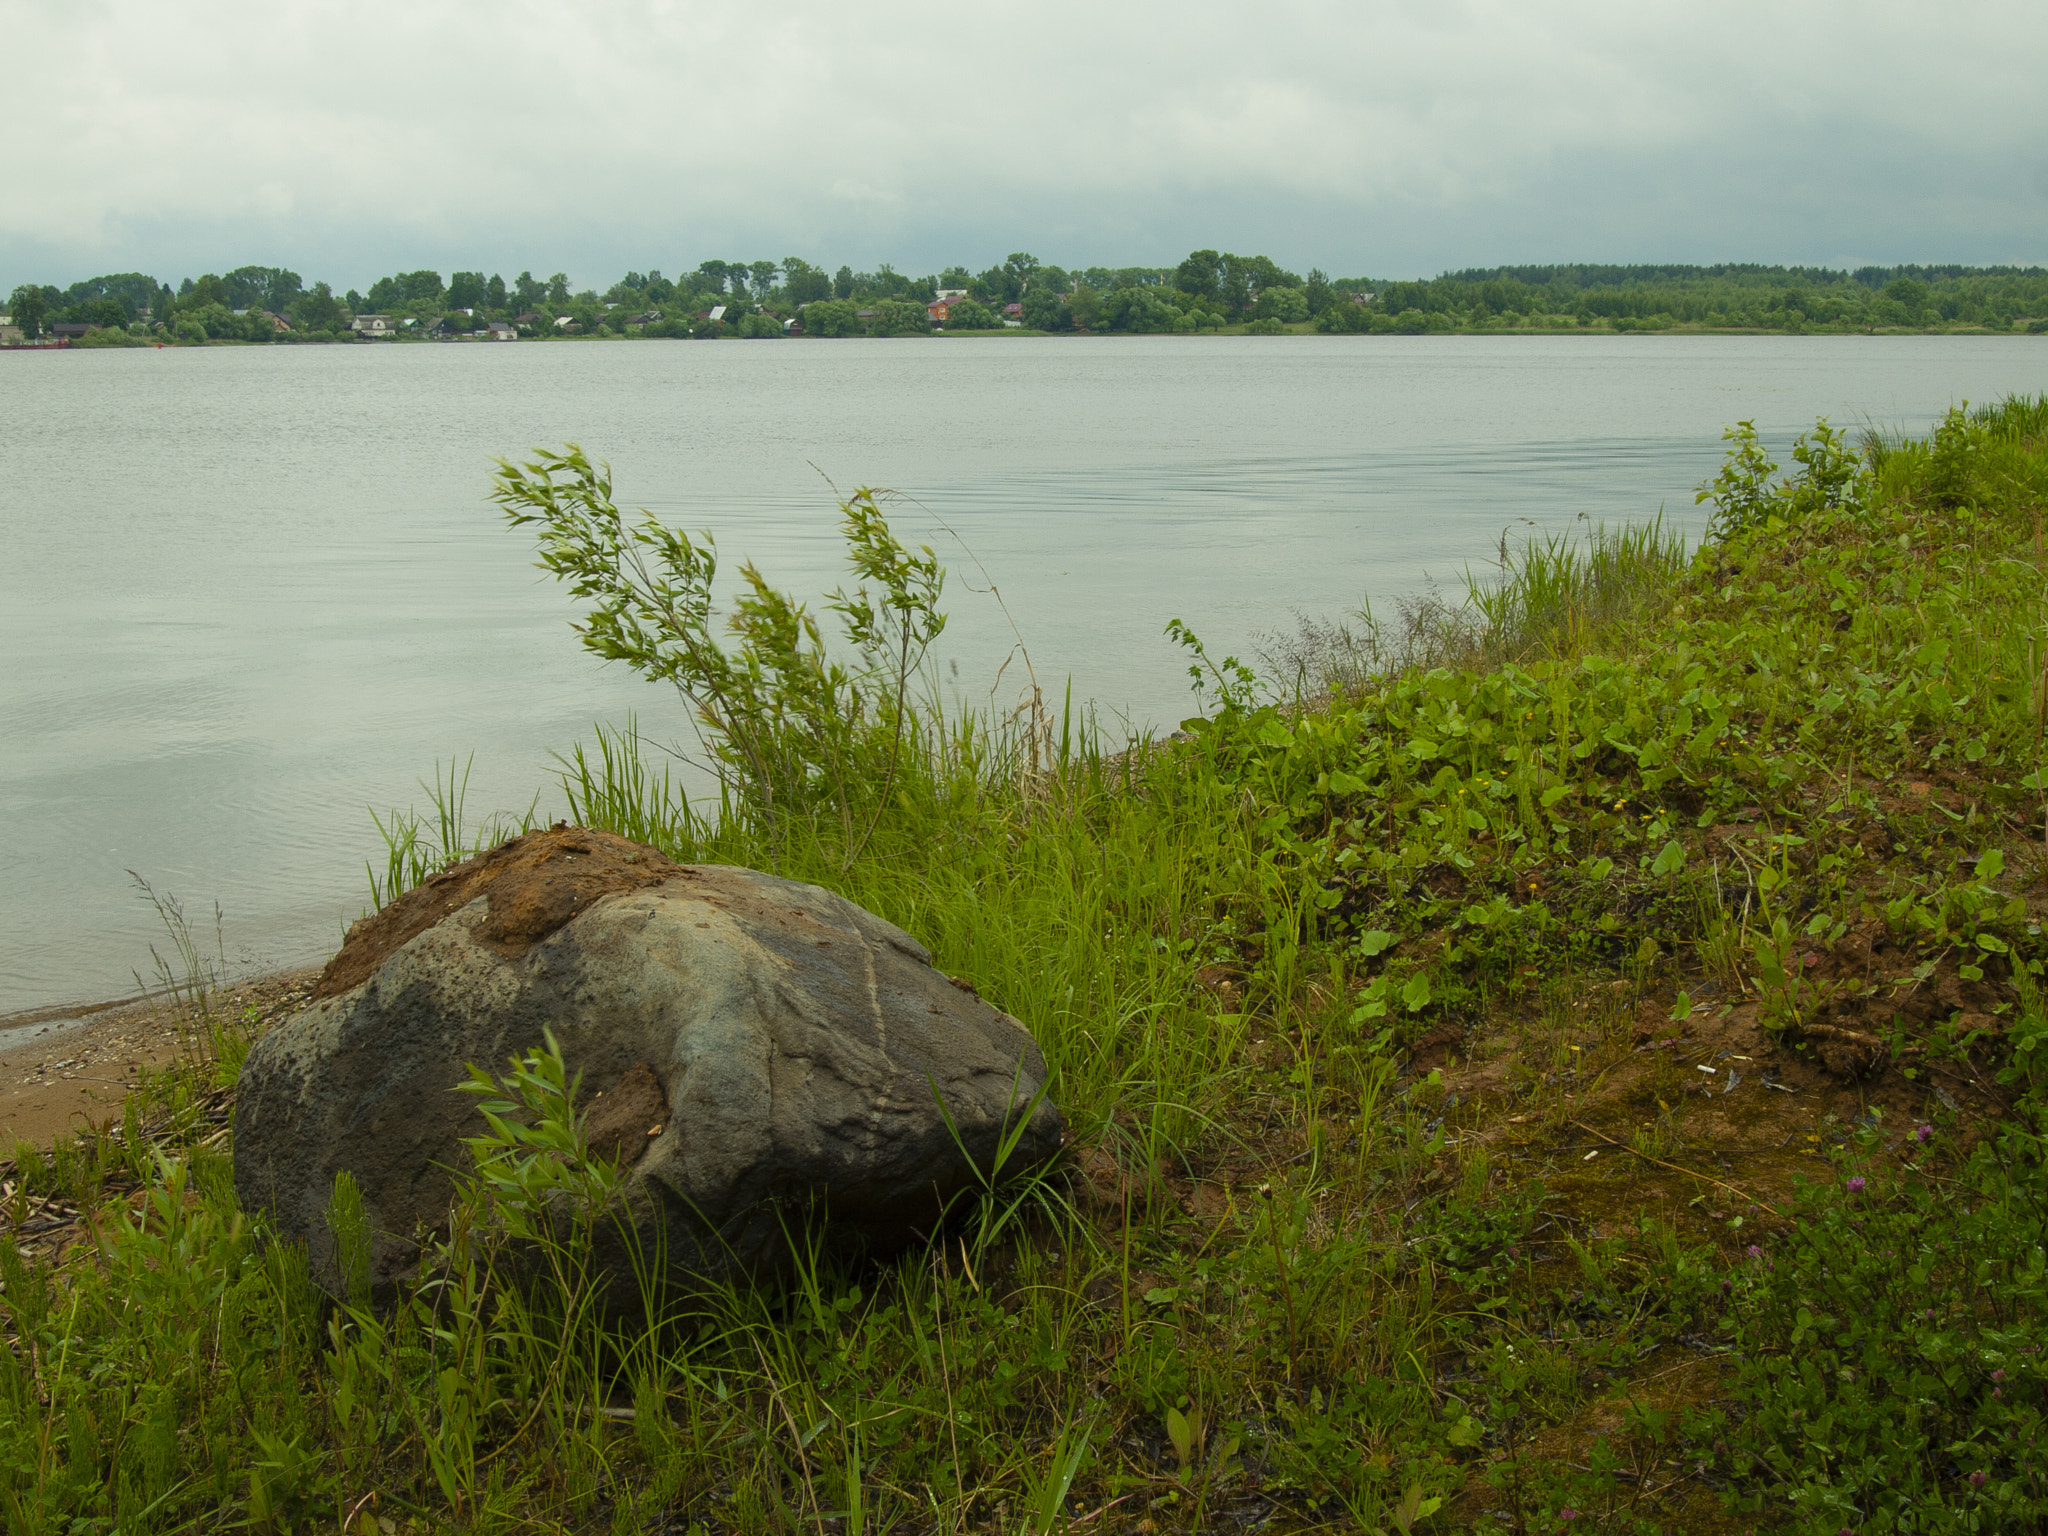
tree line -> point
(1209, 291)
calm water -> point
(247, 594)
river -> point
(249, 594)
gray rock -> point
(752, 1049)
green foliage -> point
(1831, 479)
(27, 307)
(1891, 1343)
(1208, 290)
(966, 315)
(789, 730)
(1046, 310)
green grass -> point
(1288, 1280)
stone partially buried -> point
(752, 1049)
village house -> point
(374, 325)
(498, 330)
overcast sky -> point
(1368, 138)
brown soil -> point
(620, 1123)
(535, 883)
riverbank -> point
(64, 1071)
(1582, 1073)
(1420, 325)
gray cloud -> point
(1391, 138)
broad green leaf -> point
(1416, 993)
(1371, 943)
(1670, 861)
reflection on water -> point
(251, 593)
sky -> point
(1369, 138)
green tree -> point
(1909, 295)
(530, 292)
(1288, 306)
(832, 317)
(1317, 291)
(108, 314)
(201, 292)
(271, 288)
(494, 293)
(842, 283)
(804, 283)
(899, 317)
(422, 287)
(317, 311)
(1046, 310)
(1200, 275)
(967, 315)
(28, 308)
(762, 274)
(558, 291)
(1007, 283)
(1342, 317)
(466, 290)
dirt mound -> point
(536, 883)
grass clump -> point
(1498, 1049)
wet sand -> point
(62, 1069)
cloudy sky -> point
(1373, 137)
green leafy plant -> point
(1891, 1342)
(788, 729)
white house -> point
(498, 330)
(374, 325)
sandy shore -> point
(62, 1069)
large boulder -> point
(756, 1053)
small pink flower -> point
(1856, 1185)
(1977, 1478)
(1924, 1135)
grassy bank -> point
(1569, 1060)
